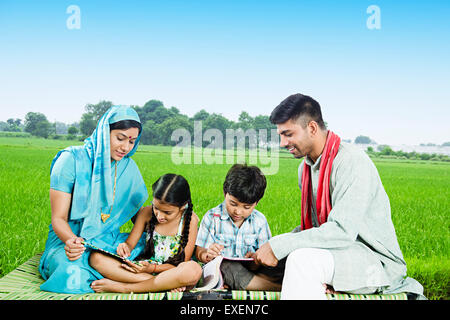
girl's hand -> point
(123, 250)
(213, 251)
(144, 266)
(74, 248)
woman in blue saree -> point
(94, 190)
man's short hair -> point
(296, 106)
(245, 183)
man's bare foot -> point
(107, 285)
(180, 289)
(329, 289)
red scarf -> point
(323, 202)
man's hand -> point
(264, 255)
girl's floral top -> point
(166, 246)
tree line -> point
(158, 122)
(385, 151)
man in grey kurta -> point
(359, 232)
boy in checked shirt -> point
(236, 229)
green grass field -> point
(419, 194)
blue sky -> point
(390, 84)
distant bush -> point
(386, 152)
(71, 137)
(363, 140)
(15, 134)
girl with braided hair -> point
(171, 231)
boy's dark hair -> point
(125, 124)
(296, 106)
(247, 184)
(172, 189)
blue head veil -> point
(98, 148)
(94, 179)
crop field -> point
(419, 194)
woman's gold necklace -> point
(105, 216)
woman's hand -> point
(123, 250)
(143, 266)
(74, 248)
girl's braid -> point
(180, 256)
(149, 247)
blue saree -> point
(92, 173)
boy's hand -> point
(123, 250)
(254, 265)
(250, 255)
(213, 251)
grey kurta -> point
(359, 231)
